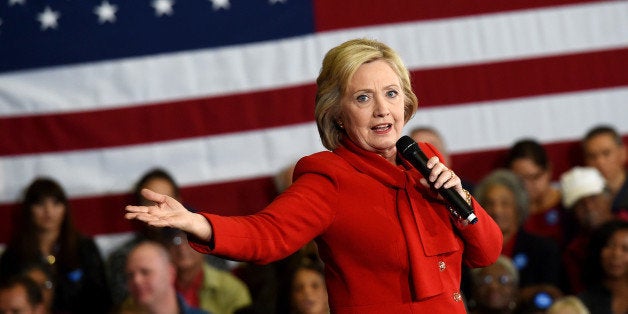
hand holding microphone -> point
(411, 152)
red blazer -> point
(351, 202)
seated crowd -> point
(565, 248)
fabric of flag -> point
(220, 93)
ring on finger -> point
(451, 174)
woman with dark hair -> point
(606, 275)
(308, 294)
(528, 159)
(45, 234)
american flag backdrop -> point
(221, 92)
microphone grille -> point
(404, 143)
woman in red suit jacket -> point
(387, 239)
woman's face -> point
(309, 294)
(373, 108)
(500, 203)
(614, 256)
(48, 214)
(496, 288)
(536, 179)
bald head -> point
(151, 248)
(150, 274)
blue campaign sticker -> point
(552, 217)
(75, 275)
(520, 260)
(543, 300)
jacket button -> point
(442, 265)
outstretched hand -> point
(168, 212)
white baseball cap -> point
(580, 182)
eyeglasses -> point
(503, 280)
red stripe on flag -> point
(258, 110)
(158, 122)
(332, 15)
(105, 214)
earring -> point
(340, 124)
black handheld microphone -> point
(411, 152)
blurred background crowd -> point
(564, 240)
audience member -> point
(585, 195)
(430, 135)
(203, 285)
(150, 277)
(163, 182)
(604, 149)
(606, 275)
(568, 305)
(537, 258)
(494, 288)
(20, 295)
(528, 159)
(307, 289)
(45, 234)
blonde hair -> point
(339, 65)
(568, 305)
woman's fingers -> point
(454, 181)
(153, 196)
(441, 176)
(130, 216)
(153, 218)
(136, 209)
